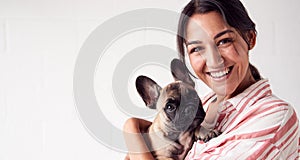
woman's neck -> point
(246, 82)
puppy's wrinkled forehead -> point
(176, 90)
(173, 88)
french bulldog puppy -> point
(180, 113)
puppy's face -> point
(178, 105)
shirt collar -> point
(250, 95)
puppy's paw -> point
(175, 148)
(210, 135)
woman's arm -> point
(137, 148)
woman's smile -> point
(221, 74)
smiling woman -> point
(215, 37)
(222, 60)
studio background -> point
(39, 44)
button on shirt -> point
(255, 125)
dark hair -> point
(233, 12)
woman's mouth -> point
(220, 74)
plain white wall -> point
(39, 44)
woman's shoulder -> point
(272, 102)
(269, 112)
(274, 110)
(259, 97)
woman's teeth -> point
(220, 74)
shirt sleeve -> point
(261, 133)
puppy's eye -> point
(170, 107)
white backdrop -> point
(39, 44)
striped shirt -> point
(255, 125)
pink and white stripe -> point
(255, 125)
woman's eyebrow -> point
(216, 36)
(194, 42)
(222, 33)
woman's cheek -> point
(197, 64)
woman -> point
(215, 36)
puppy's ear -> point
(148, 90)
(180, 72)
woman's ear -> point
(251, 35)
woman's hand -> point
(137, 148)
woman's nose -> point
(213, 57)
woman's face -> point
(218, 54)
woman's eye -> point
(196, 49)
(224, 42)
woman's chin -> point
(221, 90)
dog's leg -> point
(210, 135)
